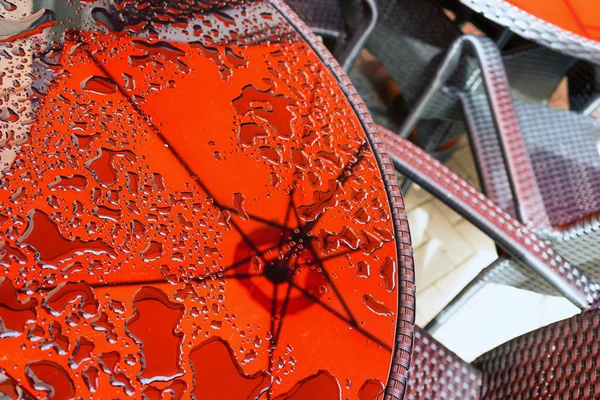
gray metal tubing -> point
(359, 37)
(467, 293)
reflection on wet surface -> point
(189, 208)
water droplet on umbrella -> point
(249, 131)
(107, 19)
(376, 306)
(51, 378)
(14, 314)
(363, 270)
(76, 182)
(58, 299)
(58, 341)
(273, 108)
(103, 324)
(104, 212)
(216, 371)
(118, 307)
(153, 327)
(175, 391)
(108, 362)
(103, 167)
(270, 154)
(322, 201)
(90, 377)
(238, 204)
(83, 351)
(152, 251)
(8, 115)
(371, 389)
(99, 85)
(84, 142)
(235, 59)
(387, 272)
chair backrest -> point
(438, 373)
(515, 238)
(562, 147)
(559, 361)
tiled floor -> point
(449, 252)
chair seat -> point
(437, 373)
(558, 361)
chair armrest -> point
(520, 242)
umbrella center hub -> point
(277, 271)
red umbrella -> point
(202, 216)
(577, 16)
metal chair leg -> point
(355, 44)
(472, 288)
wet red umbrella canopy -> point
(189, 206)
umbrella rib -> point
(284, 309)
(288, 212)
(272, 329)
(342, 178)
(286, 218)
(153, 281)
(242, 276)
(364, 332)
(298, 220)
(330, 281)
(255, 217)
(162, 137)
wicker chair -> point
(584, 87)
(540, 165)
(344, 25)
(410, 40)
(559, 361)
(530, 263)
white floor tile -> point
(452, 216)
(429, 303)
(453, 246)
(416, 196)
(452, 283)
(495, 315)
(477, 240)
(431, 264)
(418, 220)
